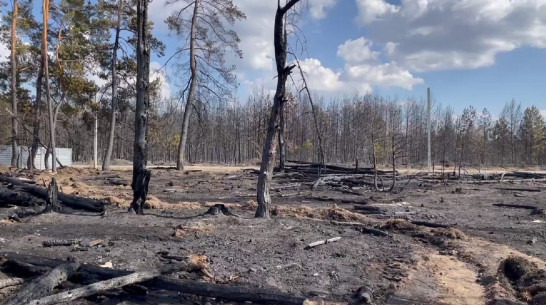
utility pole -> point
(95, 142)
(429, 153)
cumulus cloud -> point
(319, 7)
(543, 112)
(372, 10)
(432, 35)
(387, 74)
(362, 77)
(357, 51)
(319, 77)
(156, 74)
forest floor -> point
(487, 255)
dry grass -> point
(331, 213)
(183, 230)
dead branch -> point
(43, 285)
(232, 293)
(516, 206)
(517, 189)
(322, 242)
(429, 224)
(71, 201)
(95, 288)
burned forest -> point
(296, 152)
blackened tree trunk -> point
(191, 94)
(112, 135)
(268, 153)
(14, 123)
(141, 176)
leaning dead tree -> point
(141, 175)
(283, 71)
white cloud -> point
(155, 73)
(353, 78)
(357, 51)
(543, 112)
(387, 74)
(319, 7)
(372, 10)
(319, 77)
(432, 35)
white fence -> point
(64, 155)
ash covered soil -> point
(414, 264)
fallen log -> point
(516, 206)
(23, 269)
(95, 288)
(364, 209)
(70, 201)
(359, 226)
(518, 189)
(10, 282)
(12, 197)
(322, 242)
(43, 285)
(232, 293)
(429, 224)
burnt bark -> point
(268, 152)
(43, 285)
(141, 176)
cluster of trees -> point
(233, 133)
(91, 61)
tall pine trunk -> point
(112, 135)
(268, 153)
(191, 94)
(37, 111)
(141, 176)
(45, 10)
(14, 122)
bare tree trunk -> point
(393, 147)
(45, 10)
(112, 135)
(14, 123)
(268, 153)
(141, 176)
(282, 146)
(374, 160)
(37, 112)
(191, 94)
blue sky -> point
(470, 52)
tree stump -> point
(52, 200)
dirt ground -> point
(414, 264)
